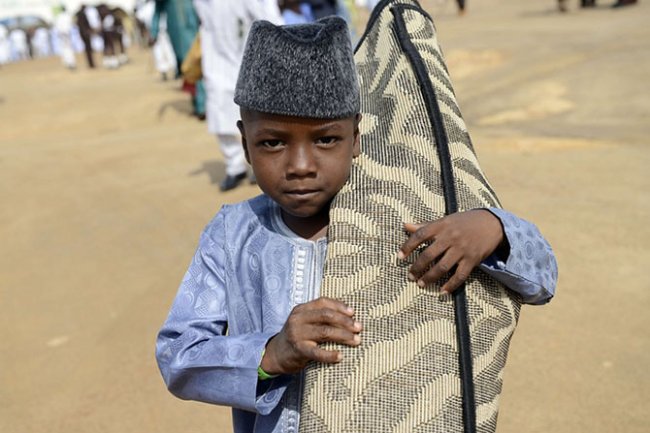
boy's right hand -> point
(319, 321)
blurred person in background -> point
(562, 4)
(296, 12)
(120, 36)
(163, 54)
(5, 47)
(88, 23)
(461, 7)
(141, 31)
(368, 4)
(346, 10)
(96, 39)
(77, 42)
(307, 11)
(41, 43)
(323, 8)
(19, 44)
(224, 28)
(182, 26)
(109, 34)
(63, 26)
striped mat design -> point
(427, 363)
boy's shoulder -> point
(242, 217)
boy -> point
(247, 318)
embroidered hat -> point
(304, 70)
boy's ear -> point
(240, 126)
(356, 151)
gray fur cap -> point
(304, 70)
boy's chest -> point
(267, 278)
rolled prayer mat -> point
(427, 363)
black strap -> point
(451, 204)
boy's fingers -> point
(420, 233)
(333, 304)
(411, 228)
(325, 356)
(459, 277)
(332, 318)
(441, 268)
(426, 258)
(325, 333)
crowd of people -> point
(101, 28)
(201, 41)
(92, 29)
(24, 43)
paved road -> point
(105, 184)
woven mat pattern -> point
(404, 378)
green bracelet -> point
(261, 374)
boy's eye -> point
(327, 141)
(271, 144)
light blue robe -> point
(248, 272)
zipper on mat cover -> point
(451, 204)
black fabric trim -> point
(451, 204)
(374, 15)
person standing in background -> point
(368, 4)
(5, 48)
(323, 8)
(63, 26)
(19, 44)
(41, 43)
(296, 12)
(109, 34)
(86, 32)
(182, 26)
(162, 50)
(461, 7)
(562, 4)
(120, 35)
(224, 28)
(346, 10)
(307, 11)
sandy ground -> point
(106, 182)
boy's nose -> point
(301, 161)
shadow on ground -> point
(215, 169)
(182, 106)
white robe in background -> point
(41, 43)
(95, 22)
(163, 53)
(63, 25)
(224, 28)
(5, 48)
(19, 48)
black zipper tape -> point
(451, 205)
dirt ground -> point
(106, 183)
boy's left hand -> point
(458, 242)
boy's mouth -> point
(302, 192)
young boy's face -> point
(300, 163)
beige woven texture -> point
(404, 378)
